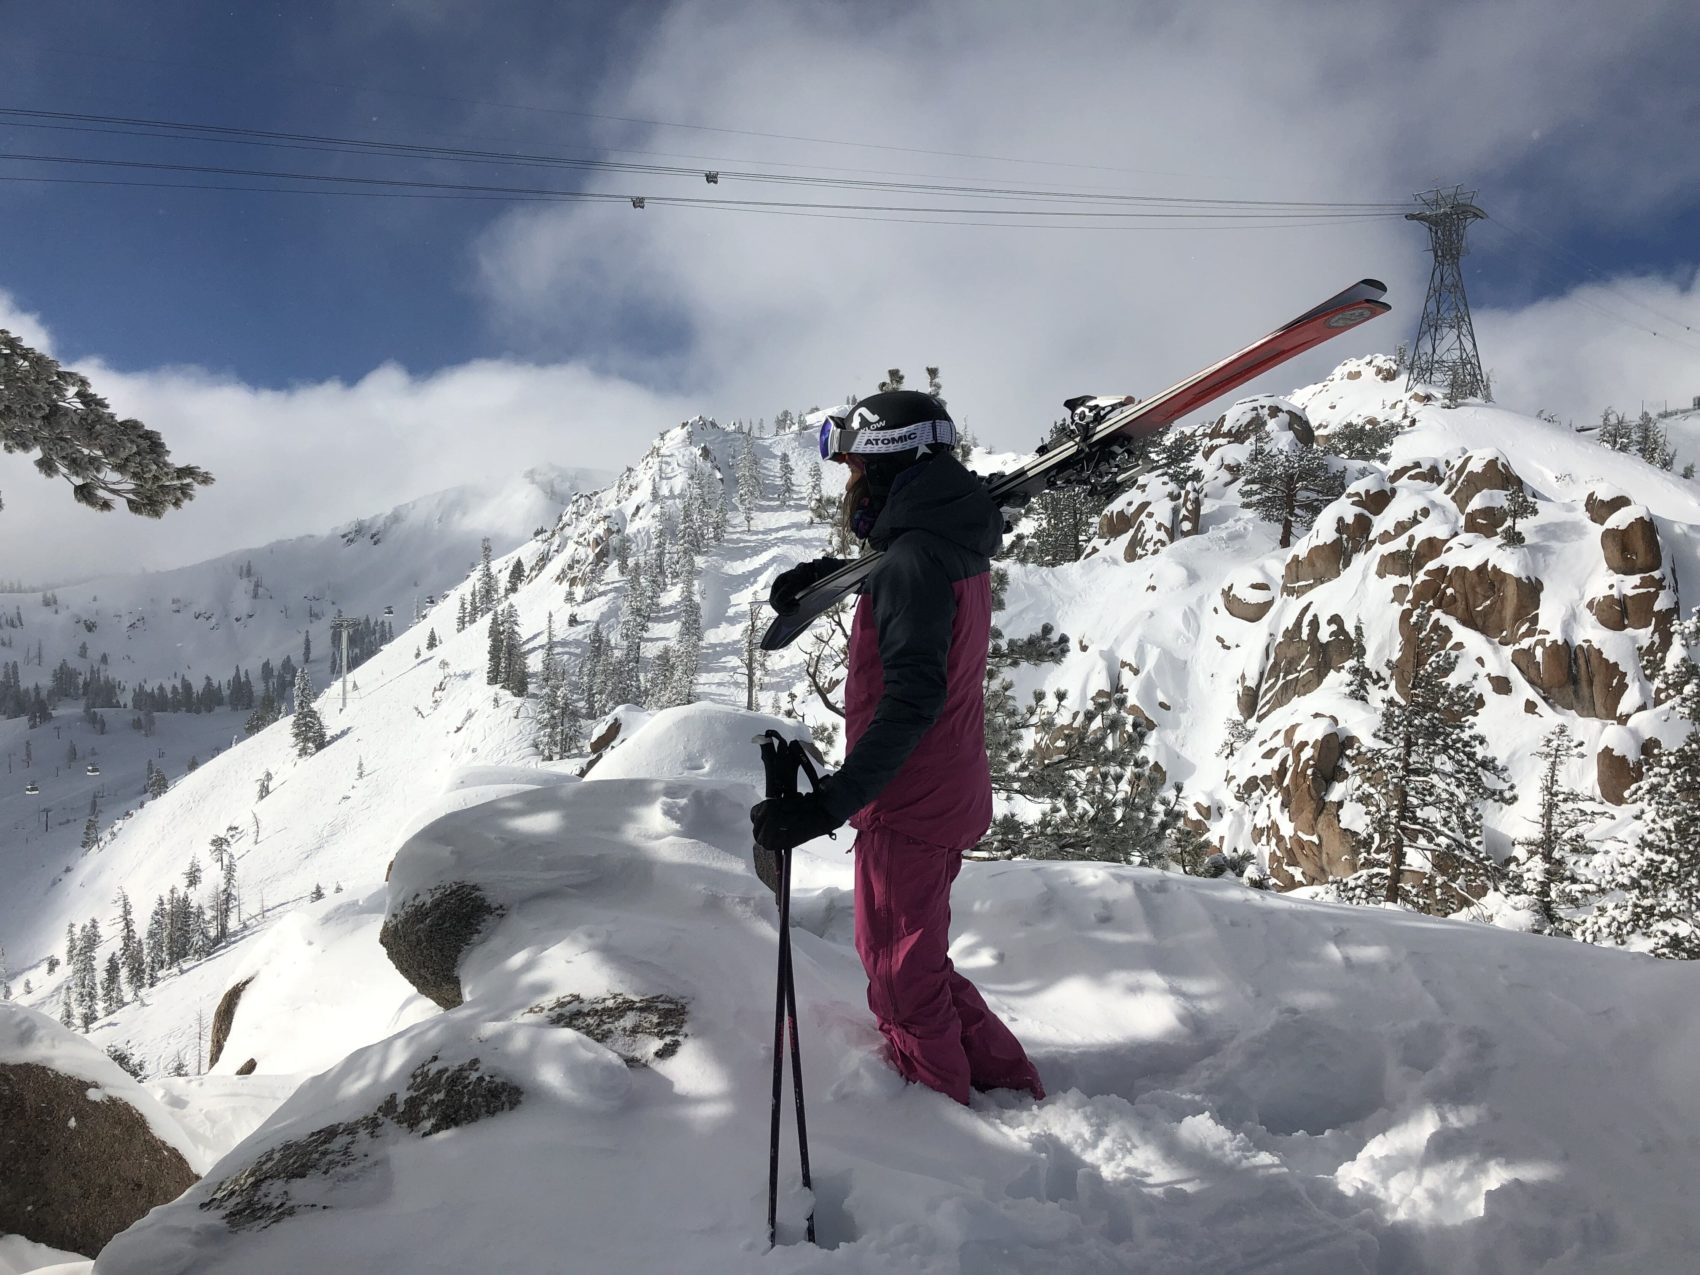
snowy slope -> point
(1239, 1081)
(207, 618)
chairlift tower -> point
(1445, 351)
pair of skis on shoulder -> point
(1105, 428)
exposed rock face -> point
(1300, 659)
(1483, 470)
(1486, 514)
(1580, 677)
(1372, 494)
(1416, 471)
(293, 1175)
(1483, 597)
(1323, 554)
(1252, 418)
(1306, 844)
(641, 1029)
(1602, 503)
(426, 937)
(75, 1171)
(1635, 605)
(1248, 600)
(223, 1018)
(1630, 542)
(247, 1068)
(1618, 765)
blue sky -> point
(260, 331)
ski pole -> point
(780, 760)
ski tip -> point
(1376, 284)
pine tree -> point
(265, 787)
(1423, 783)
(53, 411)
(749, 480)
(1175, 456)
(192, 874)
(1545, 866)
(130, 950)
(1519, 504)
(156, 782)
(1614, 432)
(753, 658)
(317, 895)
(495, 648)
(460, 614)
(687, 649)
(1288, 485)
(431, 642)
(515, 676)
(484, 587)
(85, 976)
(308, 728)
(226, 905)
(1361, 440)
(516, 577)
(5, 977)
(111, 988)
(1654, 881)
(91, 833)
(306, 647)
(818, 511)
(787, 478)
(1360, 679)
(66, 1014)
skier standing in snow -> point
(915, 783)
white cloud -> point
(1594, 347)
(301, 460)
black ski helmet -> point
(900, 426)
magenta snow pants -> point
(939, 1029)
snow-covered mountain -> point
(1239, 1079)
(253, 604)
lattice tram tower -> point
(1445, 351)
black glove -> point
(789, 585)
(783, 823)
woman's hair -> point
(855, 491)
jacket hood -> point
(944, 497)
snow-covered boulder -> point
(84, 1149)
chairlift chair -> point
(32, 789)
(92, 769)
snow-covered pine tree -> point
(1288, 485)
(1174, 455)
(130, 950)
(85, 975)
(893, 380)
(1360, 679)
(460, 613)
(431, 640)
(1654, 880)
(55, 412)
(935, 386)
(752, 659)
(1615, 432)
(1361, 439)
(484, 586)
(91, 834)
(515, 676)
(687, 647)
(516, 577)
(227, 903)
(111, 986)
(749, 479)
(67, 1015)
(1545, 866)
(156, 782)
(308, 728)
(1519, 504)
(818, 509)
(265, 786)
(787, 478)
(5, 976)
(1647, 440)
(1423, 781)
(495, 648)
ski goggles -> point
(856, 433)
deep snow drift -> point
(1240, 1081)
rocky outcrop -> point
(78, 1164)
(640, 1029)
(1323, 554)
(293, 1175)
(1372, 494)
(1630, 542)
(1299, 660)
(1602, 503)
(223, 1019)
(1485, 469)
(1636, 605)
(1577, 677)
(1247, 596)
(1416, 471)
(1252, 418)
(1618, 766)
(1301, 833)
(1483, 597)
(426, 937)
